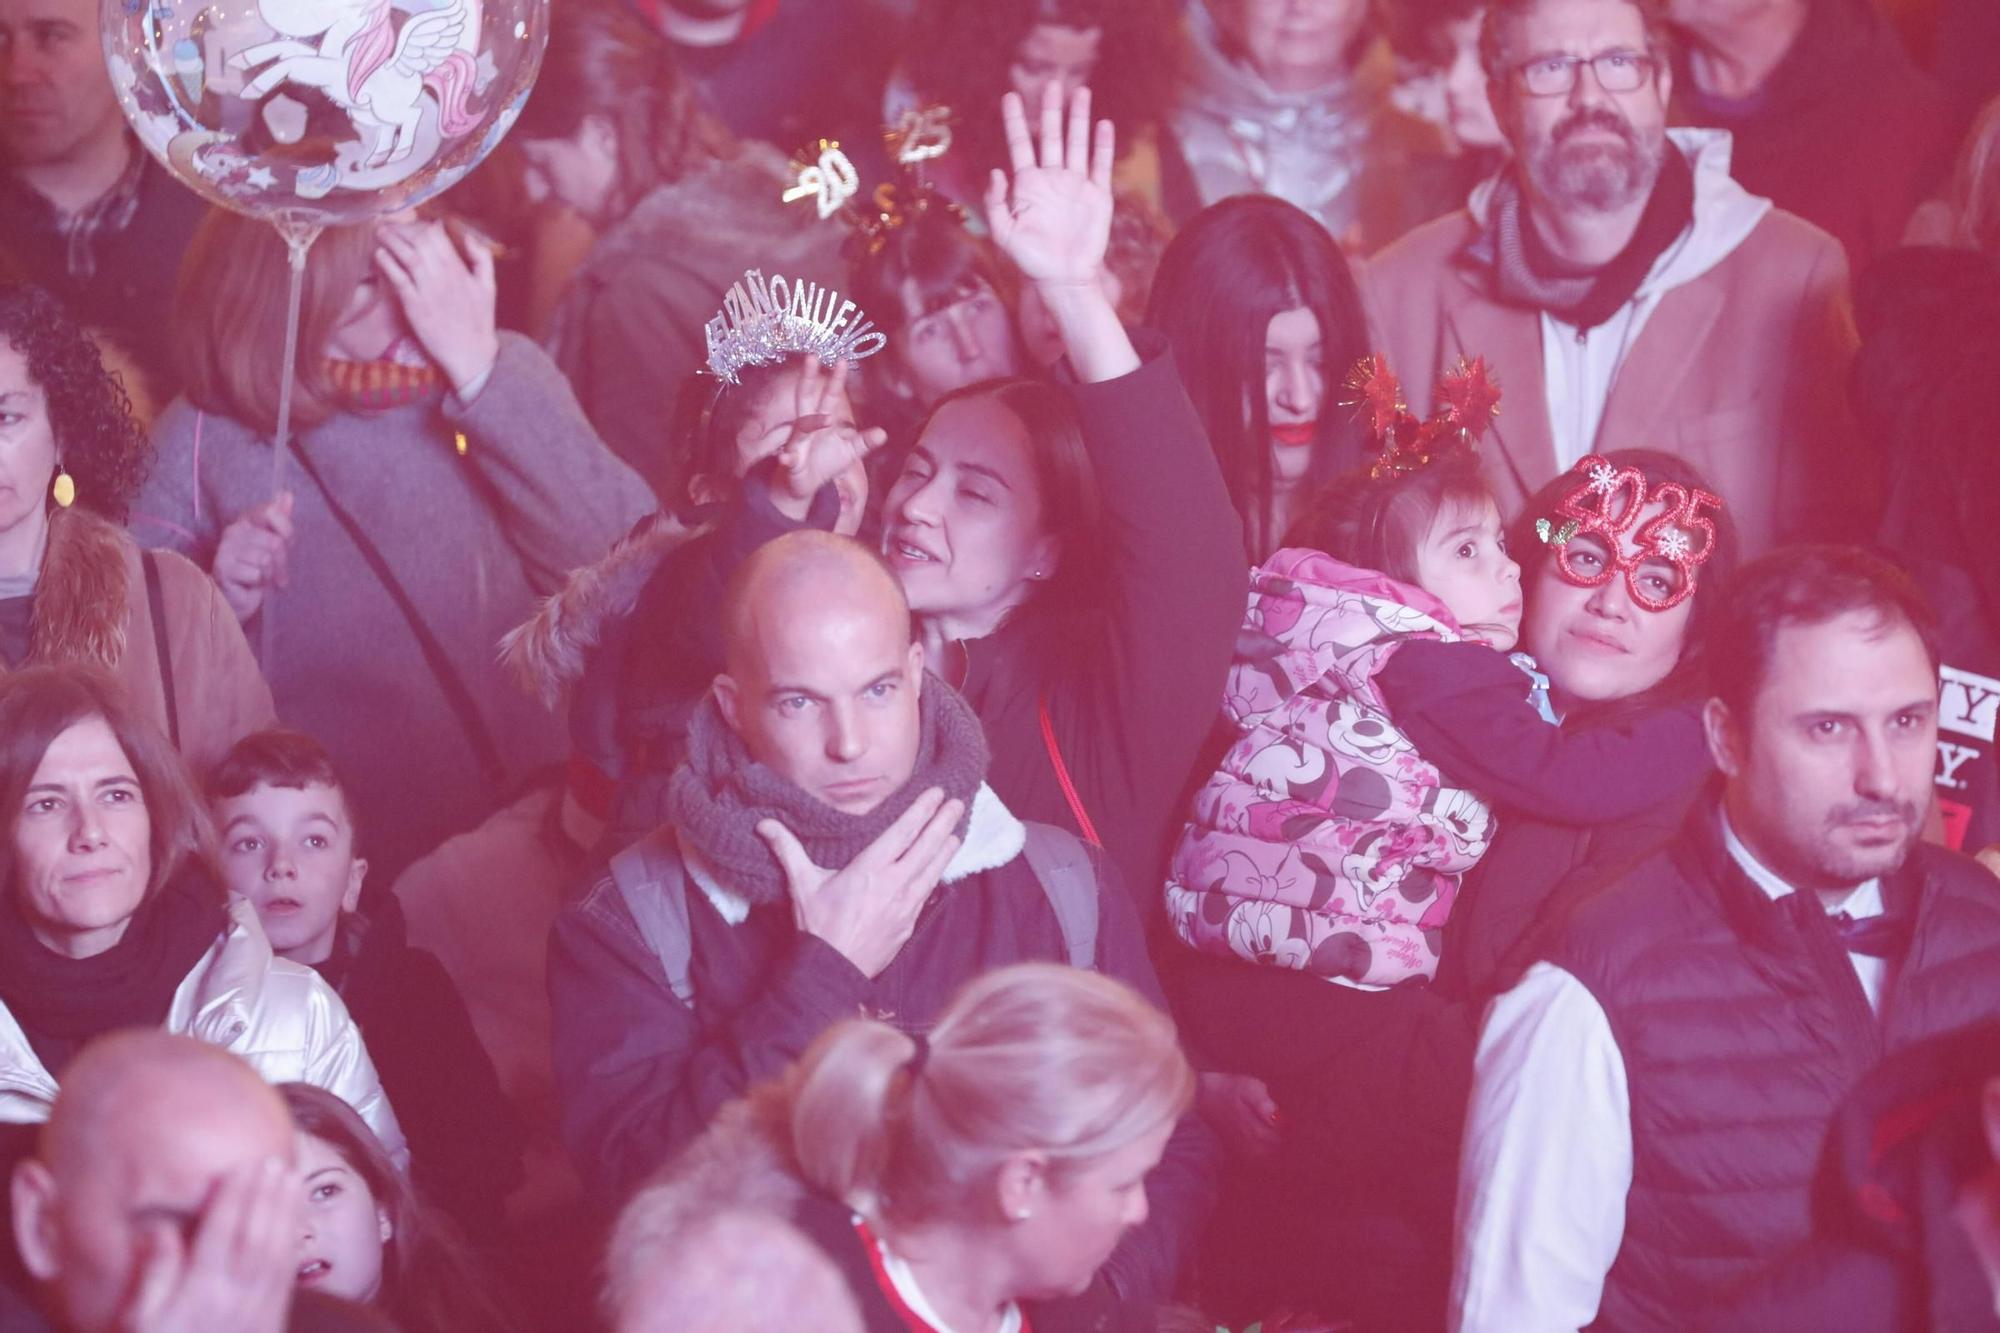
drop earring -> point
(64, 491)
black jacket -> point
(640, 1074)
(465, 1139)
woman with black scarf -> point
(113, 916)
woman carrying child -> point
(1377, 714)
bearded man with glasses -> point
(1627, 291)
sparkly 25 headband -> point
(1607, 504)
(825, 175)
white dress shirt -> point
(1548, 1143)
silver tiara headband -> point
(765, 321)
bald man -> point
(831, 849)
(163, 1196)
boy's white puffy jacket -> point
(278, 1015)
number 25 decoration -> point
(1607, 505)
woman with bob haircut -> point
(73, 586)
(1264, 318)
(115, 916)
(617, 133)
(442, 478)
(370, 1238)
(952, 1177)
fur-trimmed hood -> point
(547, 655)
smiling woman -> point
(113, 915)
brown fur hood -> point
(546, 656)
(82, 601)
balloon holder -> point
(299, 236)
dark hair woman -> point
(73, 586)
(617, 133)
(1264, 319)
(370, 1238)
(114, 916)
(442, 477)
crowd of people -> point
(1305, 664)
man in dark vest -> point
(1650, 1101)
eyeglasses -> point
(1556, 76)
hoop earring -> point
(64, 490)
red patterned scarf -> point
(378, 386)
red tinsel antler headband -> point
(1467, 400)
(1607, 504)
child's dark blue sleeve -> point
(1466, 709)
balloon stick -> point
(298, 237)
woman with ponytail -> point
(615, 133)
(956, 1179)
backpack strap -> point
(1062, 866)
(156, 607)
(654, 884)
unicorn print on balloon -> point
(376, 71)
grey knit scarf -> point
(1526, 274)
(716, 798)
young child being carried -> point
(1328, 840)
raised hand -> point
(236, 1270)
(867, 908)
(822, 443)
(446, 288)
(253, 555)
(1053, 219)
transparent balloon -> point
(312, 112)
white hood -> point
(1724, 212)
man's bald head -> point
(143, 1090)
(795, 575)
(822, 680)
(144, 1127)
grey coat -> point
(473, 540)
